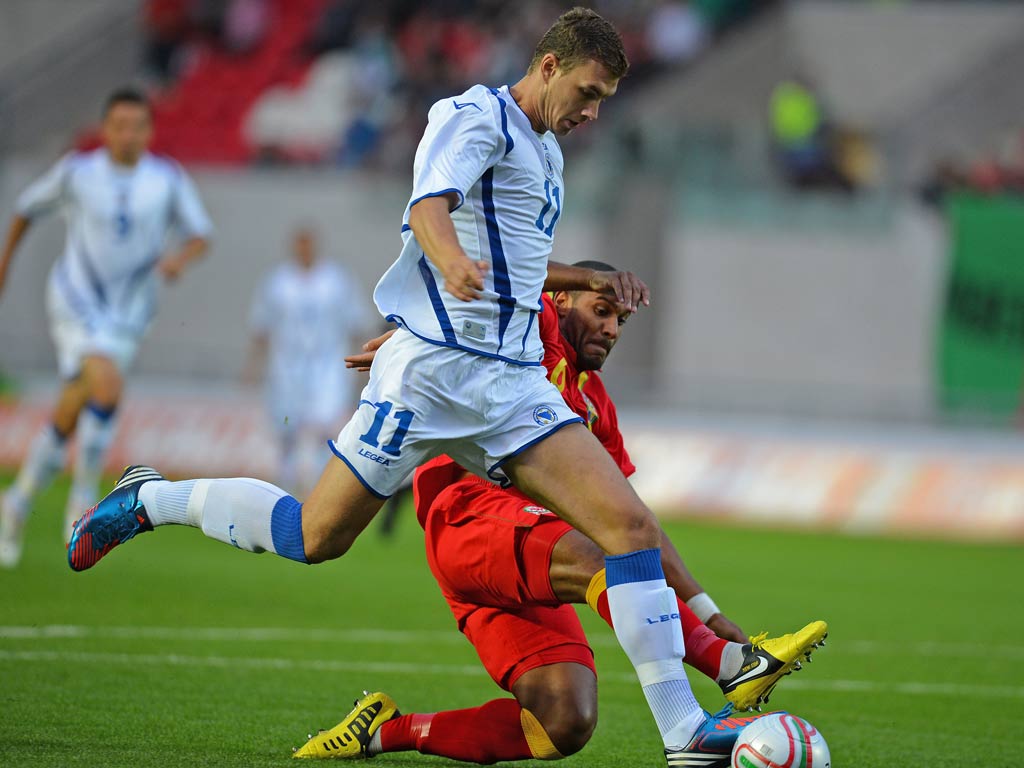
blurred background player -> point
(120, 202)
(511, 598)
(304, 317)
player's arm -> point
(15, 232)
(256, 358)
(628, 289)
(193, 223)
(690, 591)
(42, 196)
(431, 222)
(190, 251)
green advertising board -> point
(981, 347)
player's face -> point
(591, 323)
(572, 97)
(304, 248)
(126, 131)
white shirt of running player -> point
(508, 178)
(118, 219)
(309, 317)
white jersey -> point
(118, 219)
(508, 178)
(309, 317)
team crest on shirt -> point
(549, 167)
(544, 415)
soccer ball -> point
(780, 740)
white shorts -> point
(424, 400)
(75, 338)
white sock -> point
(45, 458)
(645, 615)
(243, 512)
(732, 660)
(95, 434)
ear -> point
(548, 66)
(563, 302)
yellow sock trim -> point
(537, 738)
(598, 585)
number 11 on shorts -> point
(372, 435)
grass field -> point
(178, 651)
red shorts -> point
(490, 551)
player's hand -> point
(363, 360)
(726, 629)
(628, 289)
(464, 278)
(171, 267)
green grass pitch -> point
(178, 651)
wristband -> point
(702, 606)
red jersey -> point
(583, 392)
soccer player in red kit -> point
(509, 570)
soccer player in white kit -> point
(119, 203)
(305, 317)
(463, 375)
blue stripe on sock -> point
(100, 412)
(286, 529)
(642, 565)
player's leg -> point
(382, 443)
(571, 473)
(540, 654)
(45, 458)
(577, 576)
(96, 424)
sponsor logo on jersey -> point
(467, 104)
(544, 415)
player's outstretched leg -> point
(711, 746)
(351, 737)
(244, 512)
(765, 661)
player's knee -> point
(570, 727)
(637, 530)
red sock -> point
(703, 647)
(484, 734)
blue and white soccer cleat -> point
(117, 518)
(711, 746)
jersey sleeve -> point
(189, 214)
(463, 139)
(47, 192)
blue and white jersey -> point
(508, 179)
(118, 219)
(310, 317)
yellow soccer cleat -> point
(349, 738)
(766, 660)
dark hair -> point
(125, 95)
(580, 35)
(597, 266)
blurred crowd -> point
(377, 67)
(999, 171)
